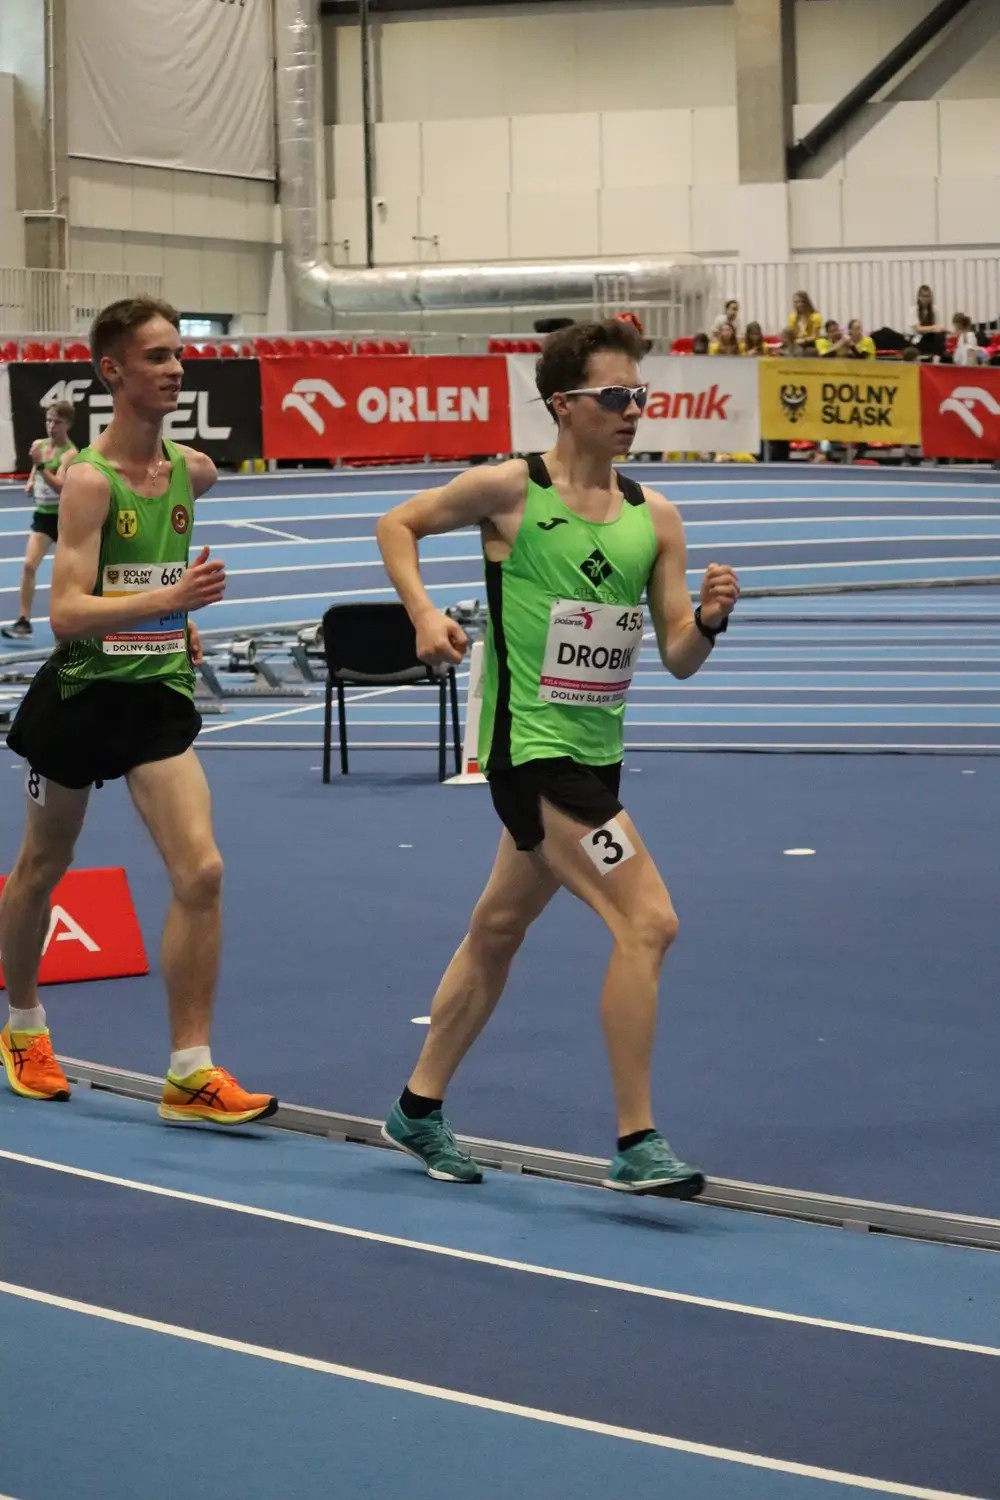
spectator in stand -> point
(726, 341)
(925, 330)
(787, 347)
(754, 344)
(805, 322)
(966, 351)
(699, 344)
(858, 344)
(830, 344)
(731, 315)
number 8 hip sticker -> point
(35, 786)
(608, 847)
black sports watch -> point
(708, 631)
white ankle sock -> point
(27, 1020)
(189, 1060)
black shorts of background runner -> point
(47, 523)
(101, 733)
(589, 794)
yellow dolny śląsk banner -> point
(839, 401)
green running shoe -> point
(431, 1141)
(651, 1167)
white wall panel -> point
(816, 214)
(889, 213)
(644, 147)
(473, 155)
(152, 199)
(561, 152)
(894, 140)
(143, 254)
(651, 221)
(182, 284)
(469, 226)
(715, 148)
(397, 159)
(970, 136)
(553, 224)
(969, 210)
(714, 230)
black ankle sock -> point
(416, 1106)
(625, 1141)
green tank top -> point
(45, 495)
(144, 546)
(565, 630)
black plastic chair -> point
(375, 645)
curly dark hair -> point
(562, 365)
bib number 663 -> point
(171, 575)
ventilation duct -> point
(314, 283)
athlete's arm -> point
(201, 470)
(481, 494)
(683, 648)
(74, 610)
(58, 478)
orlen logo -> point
(302, 398)
(963, 401)
(581, 619)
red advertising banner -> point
(961, 411)
(385, 407)
(93, 930)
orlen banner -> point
(961, 411)
(399, 406)
(696, 405)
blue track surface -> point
(902, 678)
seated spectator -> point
(966, 351)
(804, 321)
(858, 344)
(755, 341)
(731, 315)
(726, 342)
(787, 348)
(830, 344)
(699, 344)
(925, 330)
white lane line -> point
(478, 1258)
(482, 1403)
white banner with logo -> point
(173, 83)
(8, 457)
(696, 405)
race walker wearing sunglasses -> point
(616, 398)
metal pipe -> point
(369, 134)
(925, 31)
(314, 283)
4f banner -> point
(219, 411)
(839, 400)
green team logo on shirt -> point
(596, 567)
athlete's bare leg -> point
(518, 890)
(53, 826)
(173, 800)
(38, 545)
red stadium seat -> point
(263, 347)
(496, 346)
(190, 351)
(682, 346)
(33, 350)
(226, 351)
(369, 346)
(282, 347)
(9, 352)
(339, 347)
(76, 351)
(318, 347)
(301, 348)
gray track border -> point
(817, 1208)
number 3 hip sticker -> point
(35, 786)
(608, 847)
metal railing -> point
(63, 303)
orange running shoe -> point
(30, 1065)
(212, 1094)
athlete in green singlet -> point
(116, 698)
(572, 548)
(51, 457)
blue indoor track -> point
(277, 1314)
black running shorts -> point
(587, 793)
(46, 522)
(101, 733)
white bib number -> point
(608, 847)
(155, 637)
(35, 786)
(590, 653)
